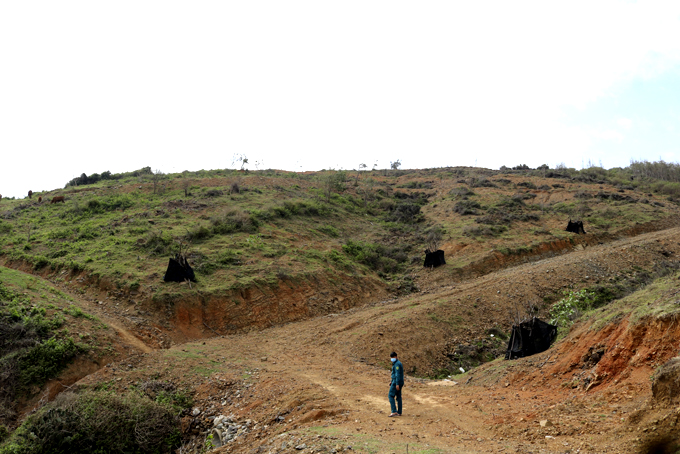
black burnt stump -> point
(179, 270)
(433, 259)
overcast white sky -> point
(91, 86)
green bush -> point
(461, 192)
(499, 217)
(465, 207)
(45, 360)
(329, 230)
(110, 203)
(87, 232)
(76, 312)
(97, 422)
(30, 352)
(481, 182)
(491, 230)
(60, 234)
(404, 212)
(565, 311)
(233, 221)
(157, 243)
(40, 262)
(416, 185)
(376, 256)
(291, 208)
(510, 204)
(223, 259)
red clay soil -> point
(296, 388)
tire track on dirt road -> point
(433, 415)
(454, 418)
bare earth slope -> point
(320, 385)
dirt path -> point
(126, 335)
(431, 415)
(336, 354)
(496, 417)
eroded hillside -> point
(270, 247)
(306, 282)
(304, 386)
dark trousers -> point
(396, 408)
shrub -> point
(527, 184)
(302, 208)
(92, 179)
(416, 185)
(111, 203)
(214, 193)
(376, 256)
(224, 259)
(461, 192)
(333, 181)
(60, 234)
(565, 311)
(198, 233)
(404, 212)
(465, 207)
(498, 217)
(156, 243)
(481, 182)
(493, 230)
(45, 360)
(510, 204)
(524, 196)
(232, 221)
(329, 230)
(291, 208)
(165, 393)
(97, 422)
(87, 232)
(30, 353)
(40, 262)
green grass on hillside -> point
(36, 342)
(262, 228)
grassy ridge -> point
(257, 228)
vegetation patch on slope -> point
(97, 421)
(36, 342)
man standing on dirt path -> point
(396, 383)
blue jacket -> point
(397, 373)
